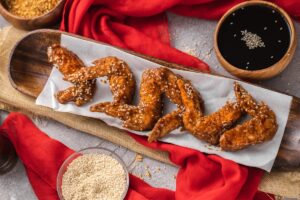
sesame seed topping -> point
(252, 40)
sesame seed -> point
(252, 40)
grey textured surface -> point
(190, 35)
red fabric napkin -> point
(200, 176)
(142, 25)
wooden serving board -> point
(29, 70)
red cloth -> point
(142, 25)
(200, 176)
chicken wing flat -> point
(67, 63)
(120, 77)
(165, 125)
(208, 128)
(172, 120)
(260, 128)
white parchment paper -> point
(215, 91)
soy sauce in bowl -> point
(254, 36)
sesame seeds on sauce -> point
(254, 37)
(252, 40)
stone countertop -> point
(193, 36)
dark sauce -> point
(266, 25)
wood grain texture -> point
(45, 20)
(29, 71)
(268, 72)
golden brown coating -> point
(67, 63)
(147, 112)
(80, 93)
(64, 60)
(208, 128)
(120, 77)
(262, 127)
(165, 125)
(173, 120)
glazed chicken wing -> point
(172, 120)
(147, 114)
(68, 63)
(260, 128)
(208, 128)
(120, 77)
(165, 125)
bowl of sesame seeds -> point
(93, 173)
(32, 14)
(255, 40)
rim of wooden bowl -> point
(270, 71)
(9, 14)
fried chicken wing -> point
(260, 128)
(67, 63)
(173, 120)
(147, 115)
(208, 128)
(165, 125)
(120, 77)
(147, 112)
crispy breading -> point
(146, 115)
(262, 127)
(147, 112)
(173, 120)
(67, 63)
(165, 125)
(208, 128)
(120, 77)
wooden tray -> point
(29, 70)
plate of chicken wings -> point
(219, 128)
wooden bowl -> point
(267, 71)
(45, 20)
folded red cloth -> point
(200, 176)
(142, 25)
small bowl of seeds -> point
(93, 173)
(255, 40)
(32, 14)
